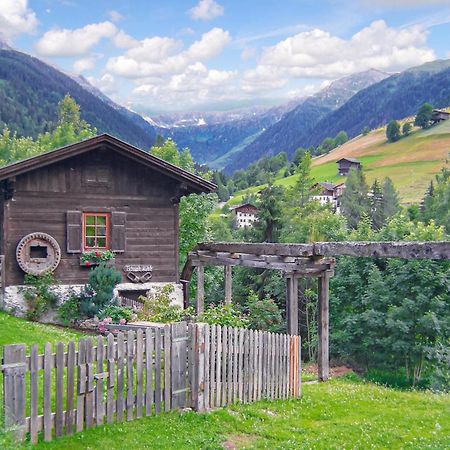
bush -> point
(406, 129)
(38, 295)
(264, 314)
(99, 291)
(224, 315)
(69, 311)
(157, 307)
(116, 313)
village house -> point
(329, 194)
(438, 116)
(345, 164)
(62, 208)
(245, 215)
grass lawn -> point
(19, 331)
(343, 413)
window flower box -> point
(95, 257)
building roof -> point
(245, 205)
(194, 183)
(353, 160)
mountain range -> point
(30, 90)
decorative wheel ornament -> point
(38, 253)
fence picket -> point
(148, 371)
(167, 345)
(158, 374)
(212, 367)
(207, 366)
(218, 365)
(235, 364)
(120, 377)
(241, 364)
(48, 363)
(89, 397)
(130, 375)
(34, 394)
(230, 366)
(139, 372)
(81, 384)
(59, 388)
(110, 356)
(223, 395)
(99, 403)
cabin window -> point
(96, 231)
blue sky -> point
(216, 54)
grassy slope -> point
(411, 162)
(19, 331)
(338, 414)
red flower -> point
(88, 263)
(98, 254)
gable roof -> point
(244, 205)
(353, 160)
(194, 183)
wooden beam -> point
(259, 249)
(228, 284)
(200, 305)
(292, 304)
(406, 250)
(323, 327)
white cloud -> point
(77, 42)
(86, 63)
(16, 18)
(114, 16)
(248, 53)
(106, 83)
(162, 56)
(206, 10)
(124, 40)
(318, 54)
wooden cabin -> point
(345, 164)
(438, 116)
(97, 195)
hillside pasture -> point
(411, 162)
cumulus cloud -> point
(106, 83)
(114, 16)
(206, 10)
(124, 40)
(86, 63)
(16, 18)
(77, 42)
(318, 54)
(163, 56)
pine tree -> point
(377, 213)
(355, 201)
(268, 225)
(302, 190)
(391, 204)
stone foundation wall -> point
(14, 302)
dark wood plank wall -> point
(43, 197)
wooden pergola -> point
(298, 261)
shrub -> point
(157, 307)
(39, 295)
(99, 291)
(69, 311)
(263, 314)
(225, 315)
(406, 129)
(116, 313)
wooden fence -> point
(140, 372)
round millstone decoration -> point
(38, 253)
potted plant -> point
(95, 257)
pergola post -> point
(200, 304)
(228, 284)
(292, 304)
(323, 327)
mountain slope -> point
(292, 130)
(30, 91)
(396, 97)
(411, 162)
